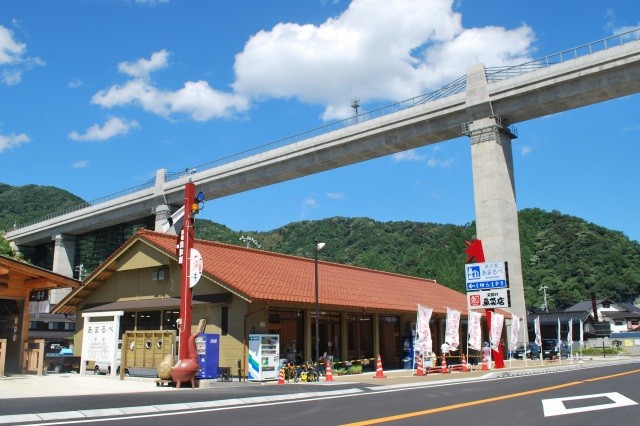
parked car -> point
(60, 360)
(549, 349)
(104, 366)
(520, 352)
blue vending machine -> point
(208, 348)
(407, 352)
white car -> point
(104, 367)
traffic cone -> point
(328, 374)
(464, 364)
(443, 365)
(379, 372)
(281, 377)
(484, 363)
(420, 369)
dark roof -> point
(551, 318)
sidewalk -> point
(30, 386)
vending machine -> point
(264, 357)
(208, 348)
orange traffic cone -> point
(328, 374)
(484, 363)
(443, 365)
(420, 369)
(281, 377)
(464, 364)
(379, 372)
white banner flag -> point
(452, 333)
(423, 343)
(570, 334)
(536, 328)
(497, 321)
(515, 329)
(475, 330)
(581, 335)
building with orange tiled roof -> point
(363, 312)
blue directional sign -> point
(486, 276)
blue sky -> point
(96, 95)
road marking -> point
(483, 401)
(456, 406)
(555, 406)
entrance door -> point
(10, 330)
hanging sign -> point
(196, 265)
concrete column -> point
(163, 212)
(64, 252)
(493, 184)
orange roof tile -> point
(274, 277)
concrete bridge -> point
(482, 105)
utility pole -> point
(545, 305)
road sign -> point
(486, 275)
(498, 298)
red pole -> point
(185, 289)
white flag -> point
(475, 330)
(559, 342)
(570, 334)
(536, 327)
(452, 336)
(581, 335)
(423, 343)
(497, 321)
(515, 329)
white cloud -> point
(10, 50)
(113, 127)
(82, 164)
(376, 50)
(196, 99)
(410, 155)
(13, 141)
(335, 195)
(437, 162)
(12, 61)
(525, 150)
(143, 67)
(74, 84)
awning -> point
(156, 303)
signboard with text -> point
(497, 298)
(486, 275)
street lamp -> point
(317, 247)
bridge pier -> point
(64, 252)
(493, 184)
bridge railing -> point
(148, 184)
(493, 74)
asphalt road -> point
(603, 396)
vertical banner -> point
(559, 341)
(452, 334)
(515, 329)
(475, 330)
(581, 335)
(423, 343)
(536, 327)
(570, 333)
(497, 321)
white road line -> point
(555, 406)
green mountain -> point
(568, 255)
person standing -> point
(486, 353)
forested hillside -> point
(568, 255)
